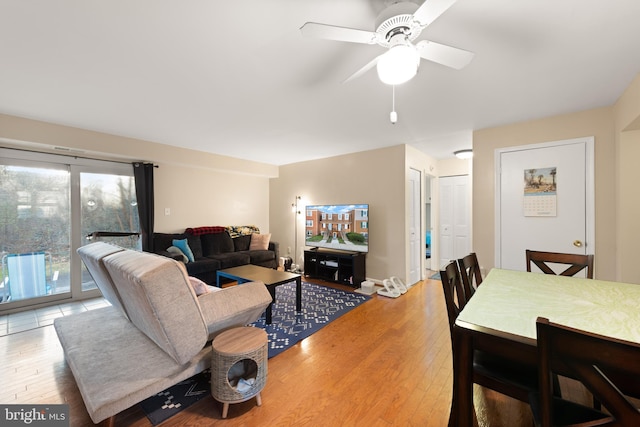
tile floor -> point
(31, 319)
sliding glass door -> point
(50, 206)
(108, 212)
(34, 230)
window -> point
(49, 204)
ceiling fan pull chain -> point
(393, 116)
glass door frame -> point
(75, 166)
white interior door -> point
(415, 252)
(525, 215)
(455, 215)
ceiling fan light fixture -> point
(399, 64)
(464, 154)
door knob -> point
(577, 243)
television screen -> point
(340, 227)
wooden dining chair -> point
(453, 291)
(510, 378)
(575, 262)
(470, 273)
(604, 365)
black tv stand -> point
(347, 268)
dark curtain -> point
(143, 174)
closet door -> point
(455, 217)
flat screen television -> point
(339, 227)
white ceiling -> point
(237, 78)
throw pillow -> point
(184, 247)
(259, 242)
(177, 251)
(198, 286)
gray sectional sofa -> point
(215, 251)
(154, 334)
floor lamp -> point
(296, 211)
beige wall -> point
(597, 123)
(454, 167)
(200, 196)
(627, 119)
(376, 177)
(199, 188)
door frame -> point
(415, 253)
(590, 209)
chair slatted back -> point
(470, 274)
(602, 364)
(575, 262)
(453, 291)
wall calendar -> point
(540, 192)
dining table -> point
(501, 316)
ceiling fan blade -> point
(443, 54)
(364, 69)
(332, 32)
(430, 10)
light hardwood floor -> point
(385, 363)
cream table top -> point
(510, 301)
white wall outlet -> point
(167, 211)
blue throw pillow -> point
(184, 247)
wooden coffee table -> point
(270, 277)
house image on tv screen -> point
(341, 227)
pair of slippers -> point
(393, 287)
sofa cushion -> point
(214, 244)
(195, 245)
(260, 257)
(241, 243)
(201, 265)
(234, 306)
(156, 293)
(92, 256)
(232, 259)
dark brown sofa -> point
(215, 251)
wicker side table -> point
(238, 366)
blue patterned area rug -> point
(320, 306)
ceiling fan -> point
(397, 26)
